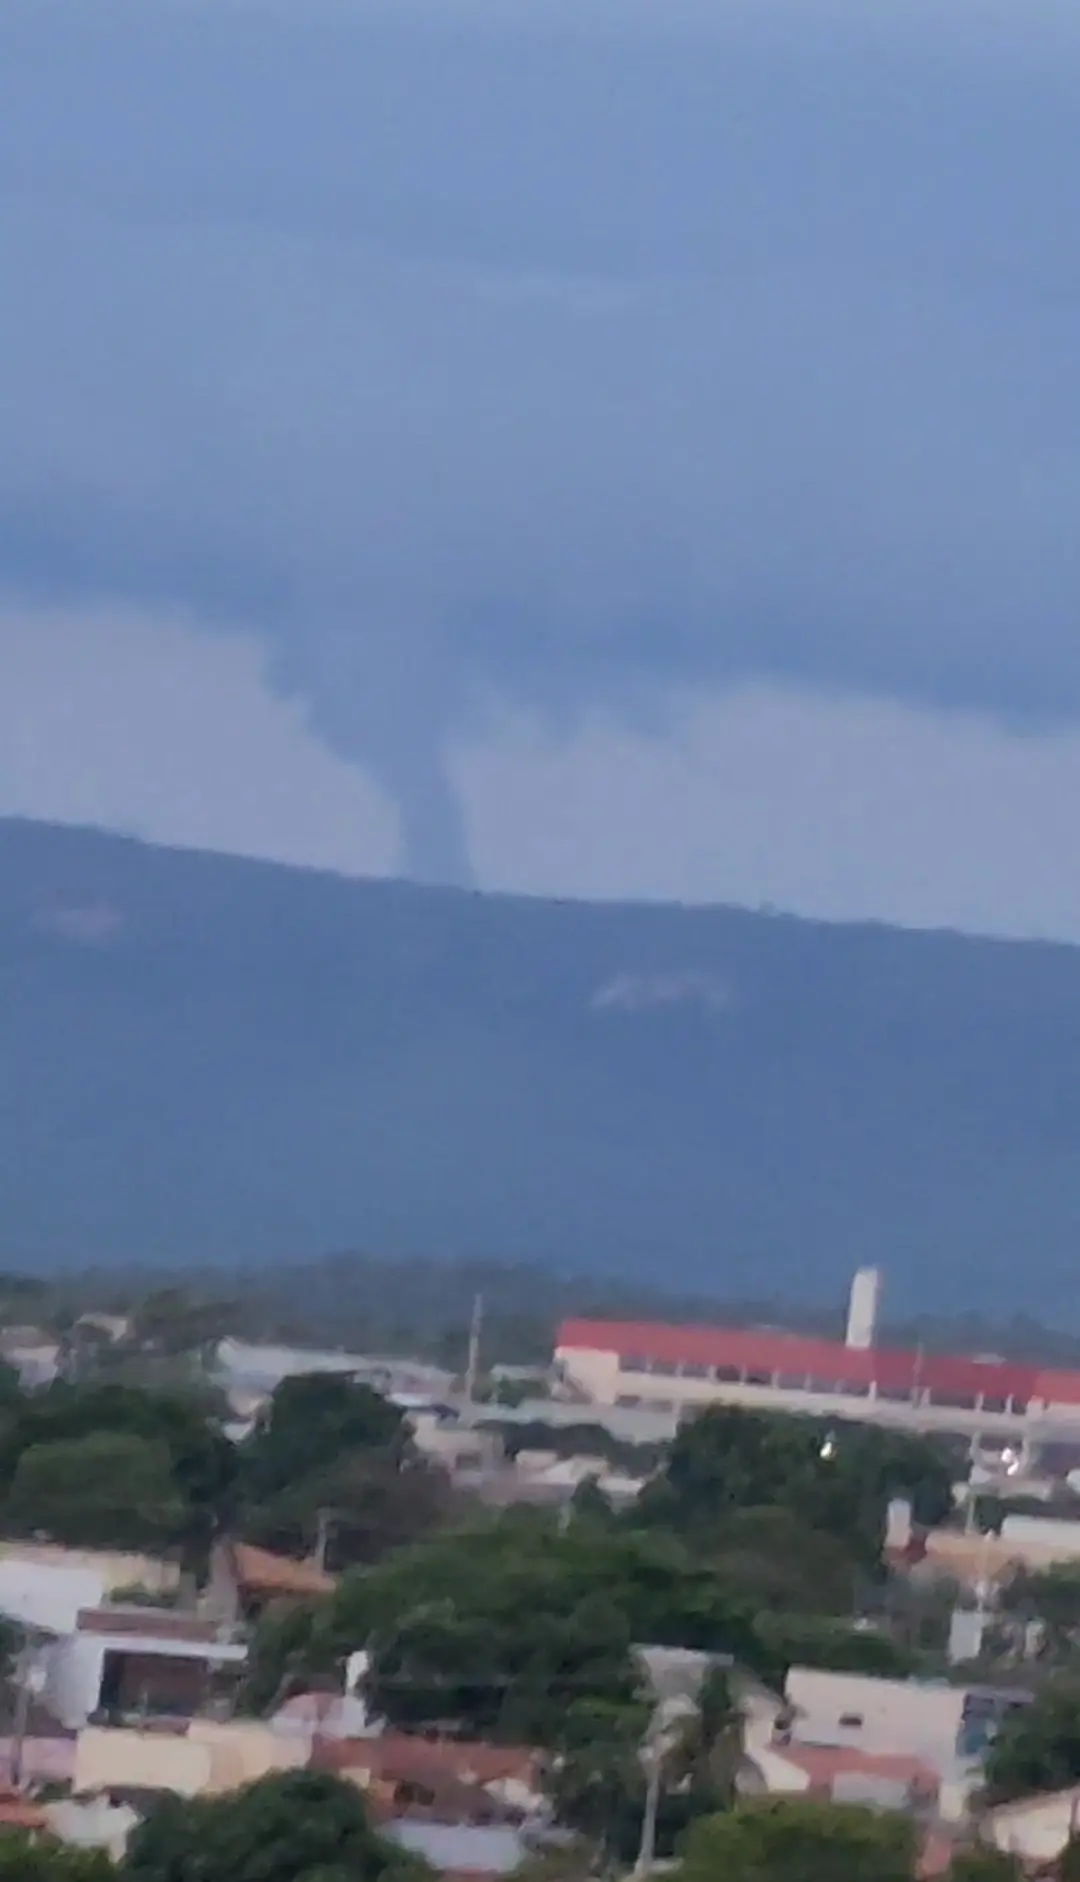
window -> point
(791, 1381)
(992, 1403)
(854, 1388)
(955, 1401)
(759, 1378)
(632, 1362)
(661, 1404)
(1019, 1406)
(628, 1400)
(664, 1368)
(851, 1721)
(691, 1370)
(728, 1375)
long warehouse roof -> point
(796, 1357)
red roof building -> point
(648, 1364)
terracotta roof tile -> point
(823, 1764)
(395, 1758)
(260, 1571)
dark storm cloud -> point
(547, 354)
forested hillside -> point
(207, 1060)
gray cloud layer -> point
(565, 356)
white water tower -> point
(864, 1305)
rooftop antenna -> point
(472, 1367)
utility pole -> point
(472, 1368)
(25, 1670)
(652, 1757)
(322, 1538)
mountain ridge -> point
(210, 1058)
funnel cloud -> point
(549, 359)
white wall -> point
(596, 1374)
(47, 1595)
(73, 1671)
(906, 1717)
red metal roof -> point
(800, 1356)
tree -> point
(106, 1490)
(314, 1419)
(286, 1826)
(766, 1840)
(833, 1478)
(26, 1859)
(981, 1862)
(838, 1646)
(374, 1501)
(509, 1675)
(1038, 1747)
(1050, 1596)
(202, 1461)
(509, 1587)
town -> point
(679, 1594)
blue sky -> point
(616, 449)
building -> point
(137, 1663)
(1034, 1828)
(30, 1567)
(441, 1779)
(946, 1727)
(637, 1366)
(197, 1758)
(245, 1580)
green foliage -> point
(983, 1863)
(330, 1450)
(497, 1625)
(834, 1479)
(509, 1675)
(202, 1464)
(1050, 1596)
(314, 1418)
(374, 1501)
(286, 1826)
(26, 1859)
(811, 1640)
(1038, 1747)
(108, 1489)
(799, 1841)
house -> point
(204, 1757)
(944, 1725)
(839, 1774)
(1034, 1828)
(244, 1580)
(108, 1573)
(138, 1662)
(441, 1779)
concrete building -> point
(253, 1370)
(635, 1366)
(1034, 1828)
(205, 1758)
(864, 1306)
(111, 1571)
(136, 1663)
(947, 1728)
